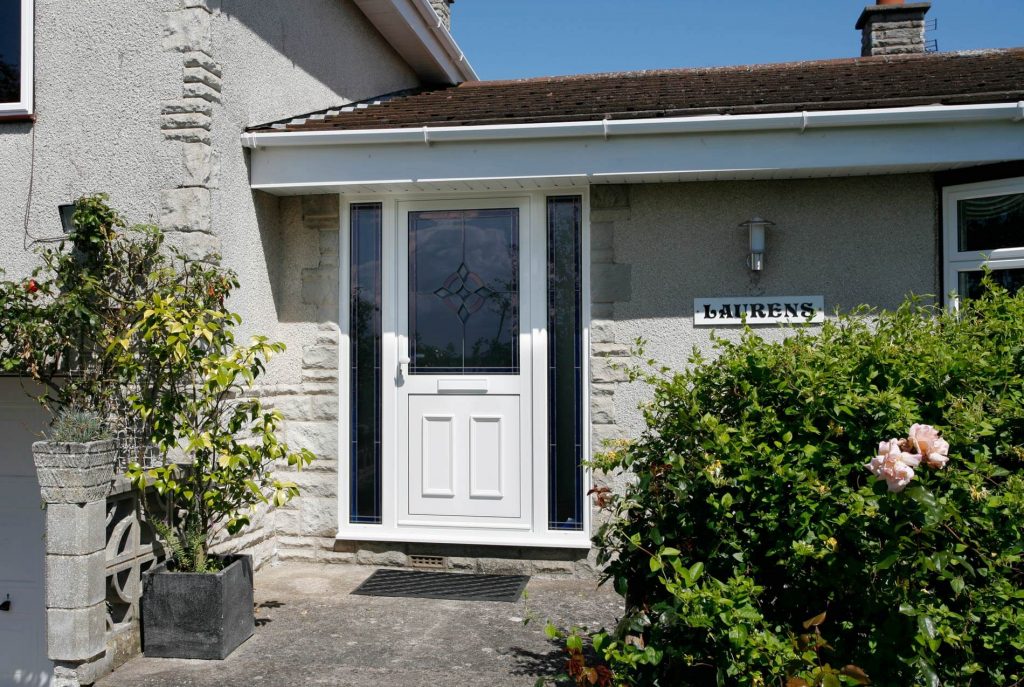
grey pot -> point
(74, 473)
(197, 615)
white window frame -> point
(24, 106)
(956, 261)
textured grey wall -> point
(867, 240)
(104, 72)
(100, 76)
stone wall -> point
(307, 526)
(185, 208)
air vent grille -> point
(428, 562)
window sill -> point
(17, 117)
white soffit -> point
(796, 145)
(414, 30)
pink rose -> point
(929, 444)
(893, 465)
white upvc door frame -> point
(538, 534)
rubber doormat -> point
(440, 585)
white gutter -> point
(416, 32)
(707, 124)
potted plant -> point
(221, 453)
(75, 464)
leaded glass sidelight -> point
(464, 292)
(365, 373)
(565, 363)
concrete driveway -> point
(311, 631)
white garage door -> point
(22, 628)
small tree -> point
(115, 321)
(228, 442)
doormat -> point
(442, 585)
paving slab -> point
(312, 631)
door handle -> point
(5, 605)
(403, 366)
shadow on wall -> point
(268, 220)
(299, 239)
(330, 40)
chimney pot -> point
(893, 27)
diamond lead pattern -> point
(464, 292)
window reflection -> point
(565, 370)
(464, 292)
(971, 282)
(10, 51)
(991, 223)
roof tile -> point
(858, 83)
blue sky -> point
(519, 38)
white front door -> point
(23, 658)
(464, 387)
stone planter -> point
(196, 615)
(74, 473)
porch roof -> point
(876, 115)
(956, 78)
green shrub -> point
(756, 547)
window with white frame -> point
(984, 226)
(16, 35)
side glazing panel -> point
(565, 362)
(365, 372)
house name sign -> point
(709, 312)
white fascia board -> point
(416, 32)
(801, 121)
(775, 146)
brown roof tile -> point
(861, 83)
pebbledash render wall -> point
(654, 248)
(146, 102)
(657, 247)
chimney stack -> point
(892, 27)
(444, 10)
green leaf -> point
(957, 583)
(926, 625)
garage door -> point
(22, 628)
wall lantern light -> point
(67, 212)
(758, 229)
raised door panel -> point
(464, 456)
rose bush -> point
(761, 543)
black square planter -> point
(195, 615)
